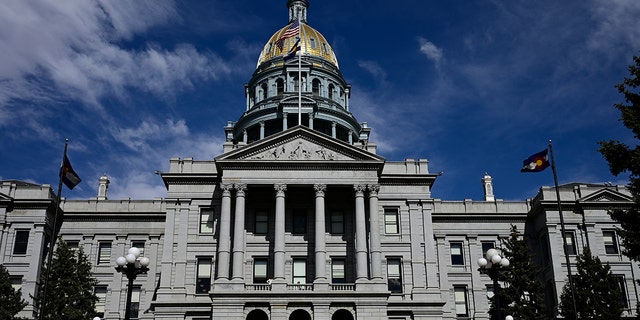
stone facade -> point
(299, 218)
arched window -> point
(312, 42)
(264, 91)
(280, 86)
(257, 315)
(342, 314)
(315, 87)
(331, 88)
(300, 315)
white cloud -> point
(618, 26)
(375, 70)
(75, 46)
(430, 50)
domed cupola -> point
(297, 81)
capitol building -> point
(300, 219)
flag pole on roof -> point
(539, 162)
(70, 179)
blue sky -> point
(472, 86)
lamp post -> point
(131, 266)
(492, 265)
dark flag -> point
(536, 162)
(69, 177)
(292, 52)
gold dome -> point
(312, 43)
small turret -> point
(103, 187)
(487, 182)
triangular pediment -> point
(300, 144)
(606, 195)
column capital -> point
(359, 188)
(320, 189)
(226, 189)
(373, 189)
(280, 189)
(240, 189)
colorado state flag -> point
(69, 177)
(536, 162)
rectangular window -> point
(16, 282)
(546, 254)
(101, 293)
(299, 271)
(610, 242)
(203, 277)
(623, 291)
(139, 245)
(394, 275)
(300, 221)
(135, 302)
(486, 246)
(262, 222)
(206, 220)
(104, 253)
(337, 222)
(391, 225)
(260, 270)
(571, 243)
(337, 270)
(21, 242)
(462, 307)
(457, 259)
(73, 244)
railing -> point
(257, 287)
(342, 287)
(300, 287)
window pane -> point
(206, 221)
(610, 243)
(571, 247)
(260, 270)
(101, 293)
(21, 242)
(203, 276)
(135, 302)
(299, 271)
(456, 254)
(299, 221)
(391, 221)
(337, 271)
(104, 252)
(262, 222)
(337, 222)
(486, 246)
(394, 276)
(460, 295)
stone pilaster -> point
(238, 232)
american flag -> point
(292, 31)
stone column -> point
(361, 234)
(310, 120)
(320, 249)
(278, 248)
(225, 232)
(238, 233)
(374, 232)
(285, 126)
(261, 130)
(333, 130)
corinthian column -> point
(225, 232)
(320, 249)
(238, 233)
(361, 234)
(374, 232)
(278, 248)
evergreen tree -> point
(522, 296)
(70, 292)
(596, 291)
(622, 158)
(11, 301)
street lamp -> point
(131, 266)
(492, 266)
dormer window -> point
(312, 43)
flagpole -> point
(562, 229)
(300, 76)
(52, 242)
